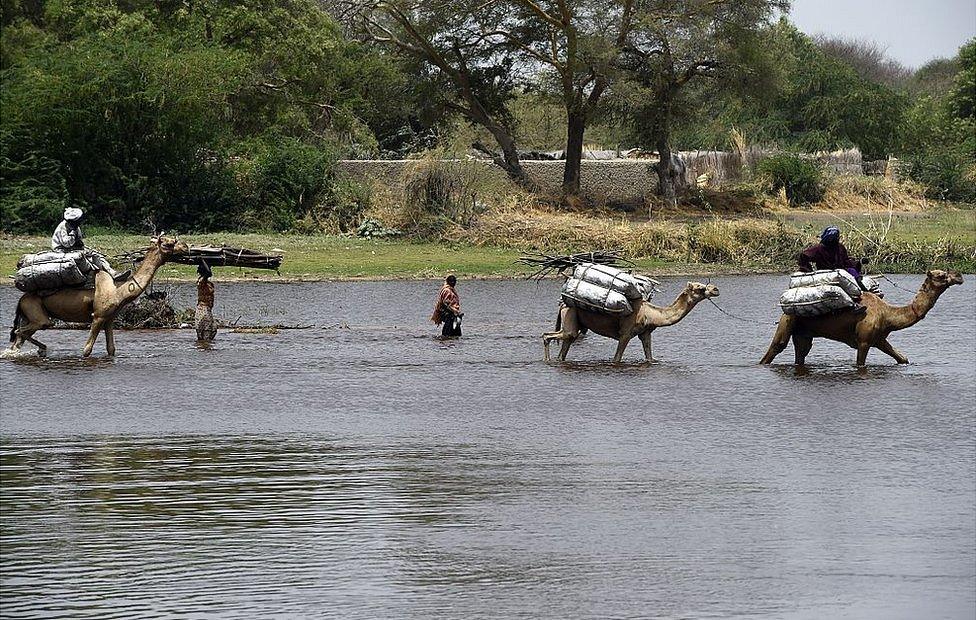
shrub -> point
(801, 178)
(285, 180)
(947, 174)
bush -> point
(285, 180)
(947, 174)
(802, 178)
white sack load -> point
(580, 294)
(647, 286)
(80, 257)
(630, 286)
(872, 285)
(827, 277)
(814, 300)
(50, 275)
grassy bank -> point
(913, 242)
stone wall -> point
(613, 180)
(619, 180)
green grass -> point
(914, 238)
(310, 257)
(924, 227)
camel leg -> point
(96, 326)
(547, 338)
(645, 339)
(564, 349)
(781, 338)
(862, 353)
(621, 347)
(801, 347)
(885, 346)
(110, 337)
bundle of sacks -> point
(48, 272)
(823, 292)
(607, 290)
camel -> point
(99, 306)
(863, 331)
(645, 318)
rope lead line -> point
(737, 318)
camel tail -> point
(18, 315)
(559, 320)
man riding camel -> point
(830, 253)
(67, 237)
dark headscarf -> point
(830, 235)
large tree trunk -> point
(665, 172)
(574, 153)
(510, 161)
(665, 184)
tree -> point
(576, 45)
(478, 76)
(676, 42)
(867, 58)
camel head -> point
(169, 246)
(696, 291)
(939, 280)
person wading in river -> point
(447, 309)
(830, 253)
(206, 327)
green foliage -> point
(284, 179)
(132, 110)
(800, 177)
(802, 98)
(949, 174)
(940, 135)
(962, 97)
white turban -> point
(71, 214)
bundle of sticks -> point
(548, 264)
(216, 256)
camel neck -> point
(142, 276)
(922, 302)
(678, 309)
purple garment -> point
(828, 257)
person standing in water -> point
(447, 309)
(206, 327)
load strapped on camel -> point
(605, 289)
(823, 292)
(46, 273)
(598, 283)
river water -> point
(370, 470)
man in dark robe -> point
(447, 309)
(830, 253)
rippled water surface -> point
(376, 471)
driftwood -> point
(216, 256)
(548, 265)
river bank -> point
(673, 245)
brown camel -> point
(644, 320)
(99, 306)
(864, 331)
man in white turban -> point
(67, 238)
